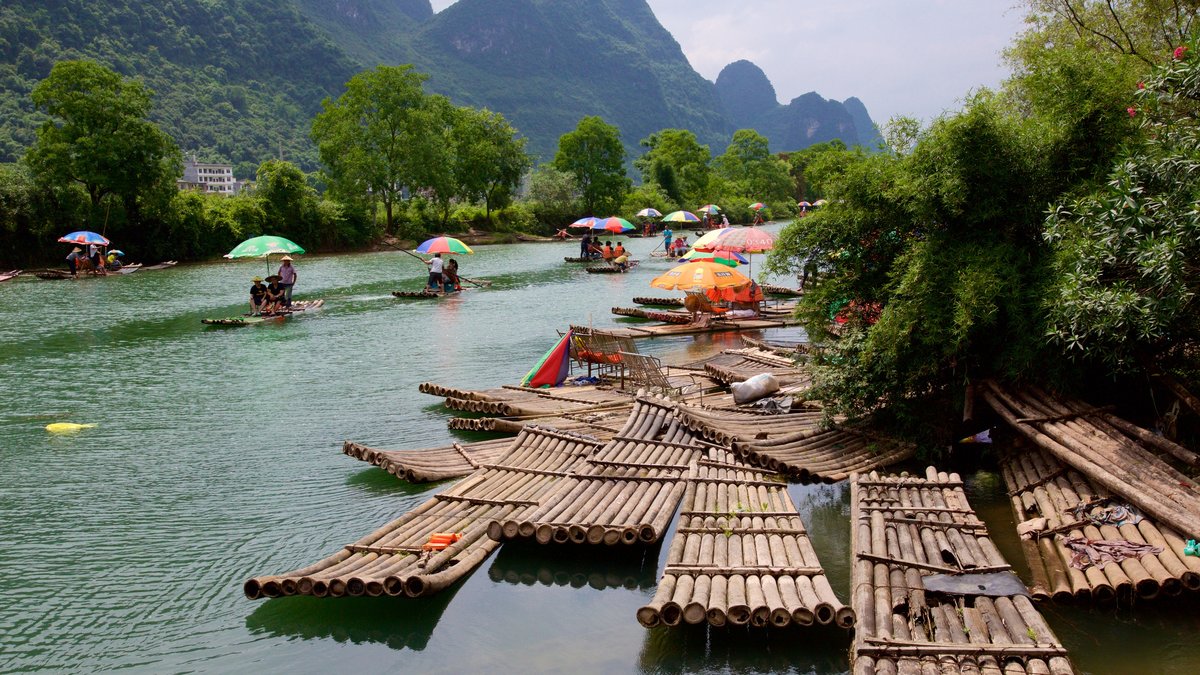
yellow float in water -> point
(67, 427)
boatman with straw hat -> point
(287, 279)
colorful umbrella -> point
(708, 241)
(745, 240)
(710, 209)
(681, 217)
(84, 238)
(820, 202)
(588, 222)
(758, 206)
(444, 245)
(264, 245)
(614, 224)
(649, 213)
(554, 366)
(804, 204)
(699, 275)
(719, 256)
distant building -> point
(206, 177)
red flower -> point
(1180, 51)
(1141, 85)
(1132, 112)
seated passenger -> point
(258, 294)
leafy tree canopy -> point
(593, 154)
(675, 161)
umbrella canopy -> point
(588, 222)
(820, 202)
(649, 213)
(758, 206)
(746, 240)
(720, 256)
(708, 241)
(804, 204)
(694, 275)
(444, 245)
(84, 238)
(681, 217)
(264, 245)
(710, 209)
(614, 224)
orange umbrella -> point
(695, 275)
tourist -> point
(594, 250)
(724, 220)
(435, 271)
(272, 296)
(619, 250)
(112, 262)
(258, 294)
(73, 261)
(450, 281)
(287, 279)
(621, 262)
(97, 259)
(667, 234)
(585, 245)
(607, 254)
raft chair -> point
(642, 371)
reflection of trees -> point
(399, 623)
(529, 564)
(821, 649)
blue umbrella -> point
(84, 238)
(588, 222)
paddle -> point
(480, 284)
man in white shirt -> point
(435, 271)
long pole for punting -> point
(461, 278)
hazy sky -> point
(900, 57)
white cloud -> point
(915, 57)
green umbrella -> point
(264, 245)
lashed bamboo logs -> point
(654, 315)
(725, 427)
(625, 493)
(903, 529)
(741, 555)
(823, 455)
(394, 558)
(1041, 486)
(1079, 436)
(431, 464)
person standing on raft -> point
(287, 279)
(435, 271)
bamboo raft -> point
(541, 402)
(741, 555)
(423, 293)
(1109, 451)
(395, 559)
(665, 317)
(751, 362)
(625, 493)
(578, 260)
(726, 427)
(817, 455)
(906, 528)
(431, 464)
(661, 302)
(1041, 486)
(771, 289)
(601, 424)
(296, 308)
(607, 270)
(719, 326)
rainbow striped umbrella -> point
(681, 217)
(444, 245)
(649, 212)
(758, 206)
(588, 222)
(719, 256)
(614, 224)
(710, 209)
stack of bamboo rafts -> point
(525, 401)
(823, 455)
(431, 464)
(1043, 487)
(602, 423)
(654, 315)
(1109, 451)
(661, 302)
(904, 530)
(727, 426)
(751, 362)
(625, 493)
(407, 557)
(741, 556)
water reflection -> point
(702, 649)
(399, 623)
(528, 564)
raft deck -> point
(912, 536)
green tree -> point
(97, 136)
(675, 161)
(752, 171)
(553, 195)
(593, 154)
(287, 200)
(1145, 30)
(489, 159)
(379, 137)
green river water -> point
(216, 457)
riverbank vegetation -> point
(395, 163)
(1046, 232)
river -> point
(216, 457)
